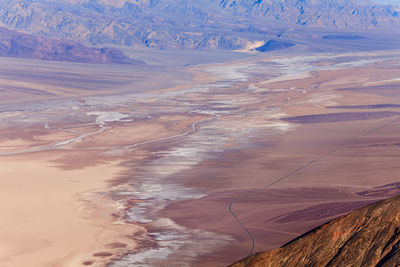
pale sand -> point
(32, 140)
(49, 216)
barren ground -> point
(231, 159)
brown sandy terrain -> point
(194, 173)
(344, 152)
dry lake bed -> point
(198, 165)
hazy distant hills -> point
(194, 24)
(367, 237)
(21, 45)
(321, 13)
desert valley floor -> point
(196, 165)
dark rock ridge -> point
(342, 37)
(22, 45)
(342, 116)
(272, 45)
(194, 24)
(378, 106)
(367, 237)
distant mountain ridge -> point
(22, 45)
(323, 13)
(366, 237)
(193, 24)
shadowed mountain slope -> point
(273, 45)
(21, 45)
(367, 237)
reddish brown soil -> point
(390, 90)
(115, 245)
(102, 254)
(340, 117)
(344, 159)
(320, 211)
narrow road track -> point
(58, 145)
(243, 227)
(192, 130)
(102, 128)
(350, 142)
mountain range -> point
(22, 45)
(189, 24)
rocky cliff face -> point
(367, 237)
(194, 24)
(21, 45)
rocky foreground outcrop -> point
(367, 237)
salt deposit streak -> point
(103, 117)
(170, 244)
(151, 186)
